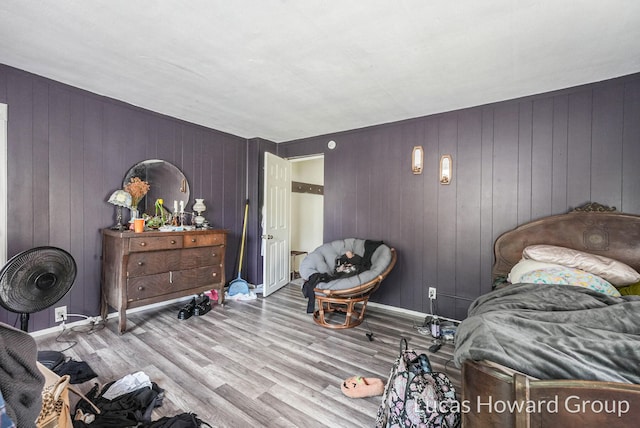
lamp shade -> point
(120, 198)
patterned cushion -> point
(570, 276)
(526, 265)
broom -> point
(239, 285)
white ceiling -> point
(287, 69)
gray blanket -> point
(554, 332)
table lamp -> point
(120, 199)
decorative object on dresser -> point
(151, 267)
(137, 188)
(199, 207)
(120, 199)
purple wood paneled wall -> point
(69, 149)
(513, 162)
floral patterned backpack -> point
(415, 396)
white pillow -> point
(525, 266)
(617, 273)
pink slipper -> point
(361, 387)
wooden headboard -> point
(592, 228)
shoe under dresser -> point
(139, 269)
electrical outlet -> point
(61, 314)
(432, 293)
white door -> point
(4, 177)
(277, 200)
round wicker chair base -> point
(353, 316)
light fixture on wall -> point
(417, 157)
(446, 169)
(120, 199)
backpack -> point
(183, 420)
(415, 396)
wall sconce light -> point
(446, 169)
(417, 157)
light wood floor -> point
(252, 363)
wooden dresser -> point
(143, 268)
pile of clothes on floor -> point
(128, 402)
(125, 402)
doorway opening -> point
(307, 209)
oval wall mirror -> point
(165, 180)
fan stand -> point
(24, 321)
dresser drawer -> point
(191, 258)
(152, 262)
(199, 277)
(150, 286)
(152, 243)
(204, 240)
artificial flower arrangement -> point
(160, 218)
(137, 188)
(152, 222)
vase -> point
(134, 214)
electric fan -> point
(35, 279)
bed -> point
(547, 349)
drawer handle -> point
(143, 244)
(173, 242)
(193, 239)
(140, 288)
(213, 254)
(140, 263)
(171, 277)
(215, 274)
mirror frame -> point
(173, 178)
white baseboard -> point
(111, 315)
(379, 306)
(406, 312)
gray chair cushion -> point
(323, 260)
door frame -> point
(4, 178)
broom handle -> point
(244, 231)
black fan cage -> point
(35, 279)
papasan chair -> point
(346, 295)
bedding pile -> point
(553, 331)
